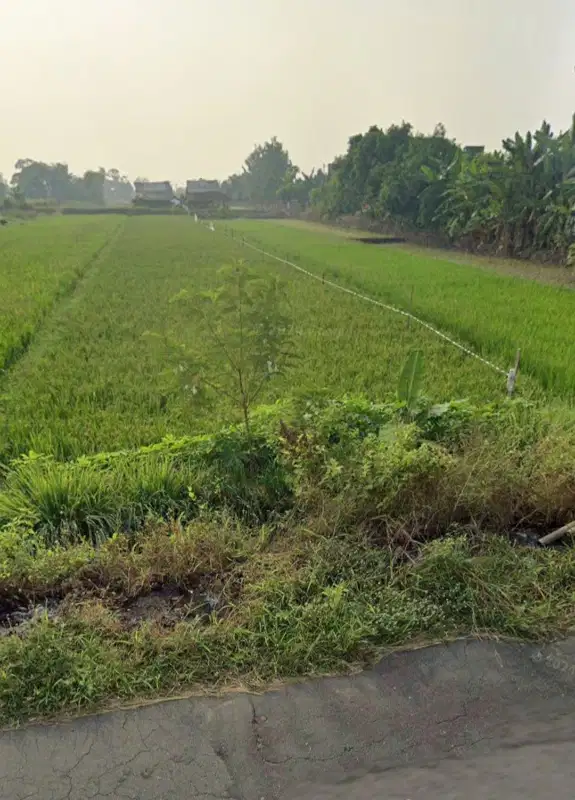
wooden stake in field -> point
(512, 375)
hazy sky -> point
(180, 89)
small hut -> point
(153, 193)
(204, 194)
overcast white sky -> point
(176, 89)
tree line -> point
(269, 178)
(517, 201)
(38, 181)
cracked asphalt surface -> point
(466, 720)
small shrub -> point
(243, 342)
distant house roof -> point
(197, 187)
(204, 193)
(147, 188)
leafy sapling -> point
(245, 339)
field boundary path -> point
(472, 719)
(509, 374)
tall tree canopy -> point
(519, 201)
(264, 172)
(117, 188)
(265, 169)
(269, 177)
(37, 180)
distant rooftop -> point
(201, 185)
(153, 186)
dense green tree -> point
(236, 187)
(298, 187)
(31, 178)
(93, 187)
(355, 180)
(117, 188)
(37, 180)
(264, 172)
(518, 201)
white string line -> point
(374, 302)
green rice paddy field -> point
(77, 295)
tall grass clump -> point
(414, 475)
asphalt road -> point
(467, 720)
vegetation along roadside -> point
(212, 478)
(326, 534)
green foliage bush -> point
(490, 466)
(517, 201)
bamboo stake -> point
(549, 538)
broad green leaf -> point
(410, 379)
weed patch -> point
(306, 605)
(333, 530)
